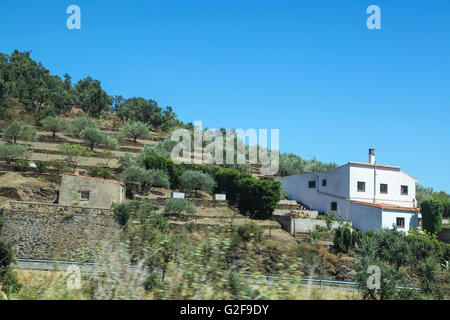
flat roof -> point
(386, 206)
(93, 178)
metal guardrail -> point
(269, 278)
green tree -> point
(17, 131)
(93, 99)
(10, 153)
(177, 207)
(432, 211)
(136, 129)
(74, 153)
(54, 125)
(193, 180)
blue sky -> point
(309, 68)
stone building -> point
(90, 192)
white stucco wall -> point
(390, 219)
(342, 188)
(394, 178)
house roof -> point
(99, 179)
(386, 206)
(373, 165)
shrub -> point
(432, 211)
(343, 239)
(127, 160)
(41, 166)
(10, 153)
(174, 171)
(158, 178)
(98, 172)
(177, 207)
(135, 175)
(122, 212)
(250, 231)
(192, 180)
(258, 198)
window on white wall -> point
(404, 190)
(400, 222)
(383, 188)
(361, 186)
(334, 206)
(311, 184)
(324, 183)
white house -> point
(370, 195)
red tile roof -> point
(87, 177)
(386, 206)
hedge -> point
(254, 197)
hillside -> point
(190, 248)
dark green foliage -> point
(192, 180)
(174, 171)
(343, 239)
(258, 198)
(92, 98)
(432, 211)
(99, 172)
(8, 279)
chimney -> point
(76, 172)
(371, 156)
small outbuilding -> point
(88, 191)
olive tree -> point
(74, 153)
(11, 152)
(54, 125)
(17, 131)
(135, 130)
(193, 180)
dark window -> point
(361, 186)
(404, 190)
(383, 188)
(84, 195)
(324, 183)
(311, 184)
(401, 222)
(334, 206)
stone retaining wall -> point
(56, 232)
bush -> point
(192, 180)
(432, 211)
(127, 160)
(177, 207)
(98, 172)
(158, 178)
(258, 198)
(41, 166)
(174, 171)
(135, 175)
(343, 239)
(10, 153)
(250, 231)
